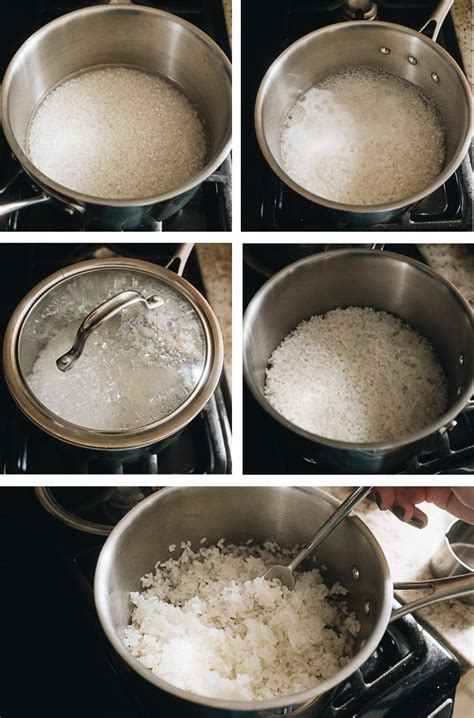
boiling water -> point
(363, 137)
(136, 368)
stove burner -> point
(89, 509)
(407, 662)
(359, 10)
(270, 450)
(267, 203)
(203, 446)
(211, 207)
(410, 674)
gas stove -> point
(209, 210)
(270, 450)
(410, 674)
(267, 203)
(203, 447)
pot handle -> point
(101, 314)
(10, 207)
(437, 19)
(442, 589)
(470, 405)
(181, 257)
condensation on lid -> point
(137, 368)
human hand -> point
(403, 500)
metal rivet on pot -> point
(363, 642)
(435, 77)
(355, 573)
(367, 607)
(461, 359)
(385, 50)
(412, 60)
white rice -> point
(117, 133)
(356, 375)
(209, 624)
(363, 137)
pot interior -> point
(346, 45)
(137, 367)
(362, 278)
(121, 35)
(286, 515)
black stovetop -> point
(57, 648)
(267, 203)
(203, 447)
(270, 450)
(209, 210)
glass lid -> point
(138, 356)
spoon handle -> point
(332, 522)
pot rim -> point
(88, 438)
(275, 165)
(64, 193)
(106, 558)
(369, 448)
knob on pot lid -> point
(139, 355)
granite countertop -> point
(216, 267)
(455, 262)
(408, 551)
(462, 17)
(228, 17)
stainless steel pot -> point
(282, 514)
(124, 34)
(455, 555)
(364, 278)
(385, 46)
(25, 338)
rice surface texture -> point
(117, 133)
(356, 375)
(208, 623)
(363, 137)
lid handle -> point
(100, 314)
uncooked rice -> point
(117, 133)
(363, 137)
(207, 622)
(356, 375)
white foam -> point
(117, 133)
(363, 137)
(136, 368)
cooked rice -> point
(207, 622)
(356, 375)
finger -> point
(385, 497)
(465, 495)
(405, 510)
(458, 509)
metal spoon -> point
(285, 573)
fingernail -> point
(417, 523)
(377, 498)
(399, 512)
